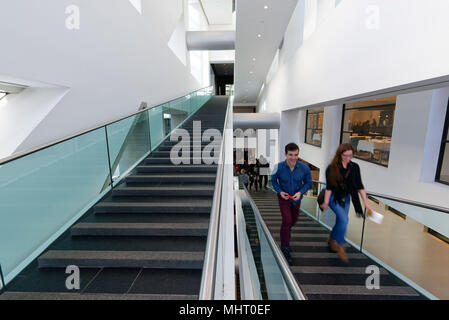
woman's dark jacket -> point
(352, 183)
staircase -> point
(144, 240)
(319, 272)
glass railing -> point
(45, 191)
(264, 273)
(412, 240)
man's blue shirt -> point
(292, 182)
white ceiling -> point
(218, 12)
(254, 55)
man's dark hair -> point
(291, 147)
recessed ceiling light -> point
(265, 7)
(259, 36)
(251, 72)
(254, 59)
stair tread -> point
(123, 255)
(164, 188)
(202, 203)
(178, 175)
(12, 295)
(119, 225)
(200, 166)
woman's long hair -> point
(335, 178)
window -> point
(314, 126)
(443, 163)
(368, 126)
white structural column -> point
(210, 40)
(257, 121)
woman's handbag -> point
(320, 198)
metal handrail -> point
(409, 202)
(400, 200)
(207, 288)
(288, 276)
(48, 145)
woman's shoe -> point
(342, 253)
(332, 244)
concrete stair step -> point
(177, 168)
(91, 296)
(191, 144)
(121, 259)
(170, 191)
(358, 290)
(332, 270)
(198, 206)
(172, 178)
(182, 160)
(168, 154)
(140, 229)
(169, 147)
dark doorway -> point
(224, 77)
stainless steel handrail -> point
(50, 144)
(288, 276)
(207, 288)
(409, 202)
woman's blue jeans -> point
(341, 222)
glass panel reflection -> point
(368, 127)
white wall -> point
(117, 59)
(349, 55)
(19, 115)
(293, 38)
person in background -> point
(291, 180)
(245, 166)
(343, 181)
(244, 177)
(264, 172)
(253, 175)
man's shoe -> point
(286, 252)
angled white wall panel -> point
(117, 58)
